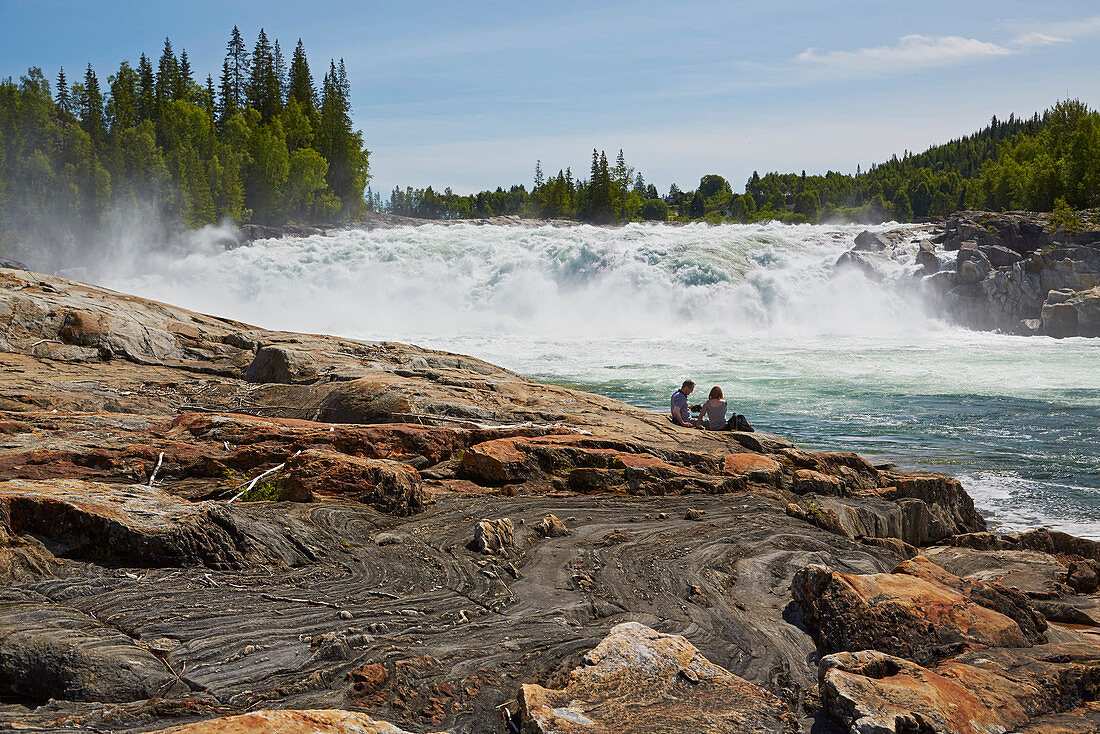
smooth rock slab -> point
(312, 721)
(51, 651)
(640, 680)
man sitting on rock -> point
(681, 412)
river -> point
(830, 360)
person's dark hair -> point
(715, 393)
(687, 383)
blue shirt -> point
(680, 406)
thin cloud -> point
(910, 52)
(1053, 34)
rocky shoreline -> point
(219, 528)
(1013, 272)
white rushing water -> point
(829, 359)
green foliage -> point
(262, 492)
(256, 148)
(1065, 218)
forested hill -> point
(261, 143)
(1032, 163)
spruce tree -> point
(64, 100)
(263, 82)
(123, 106)
(235, 74)
(146, 89)
(91, 108)
(300, 85)
(184, 79)
(280, 70)
(168, 70)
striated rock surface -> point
(639, 680)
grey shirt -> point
(680, 407)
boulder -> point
(1000, 257)
(972, 265)
(896, 613)
(281, 364)
(879, 241)
(551, 527)
(493, 536)
(290, 721)
(871, 265)
(388, 486)
(640, 681)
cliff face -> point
(1011, 271)
(200, 519)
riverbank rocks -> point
(977, 692)
(638, 680)
(311, 721)
(916, 617)
(551, 527)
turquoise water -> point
(830, 360)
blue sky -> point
(470, 94)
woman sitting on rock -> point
(714, 409)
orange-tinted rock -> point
(897, 614)
(981, 691)
(388, 486)
(995, 596)
(310, 721)
(808, 480)
(756, 467)
(641, 681)
(873, 692)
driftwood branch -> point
(153, 476)
(252, 484)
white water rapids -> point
(829, 360)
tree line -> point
(262, 144)
(1037, 163)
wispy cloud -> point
(910, 52)
(1052, 34)
(920, 51)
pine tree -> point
(147, 105)
(280, 71)
(210, 98)
(168, 71)
(235, 74)
(263, 83)
(341, 146)
(300, 85)
(64, 100)
(184, 79)
(91, 108)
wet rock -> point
(639, 680)
(872, 265)
(494, 536)
(898, 614)
(49, 651)
(309, 721)
(551, 527)
(388, 486)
